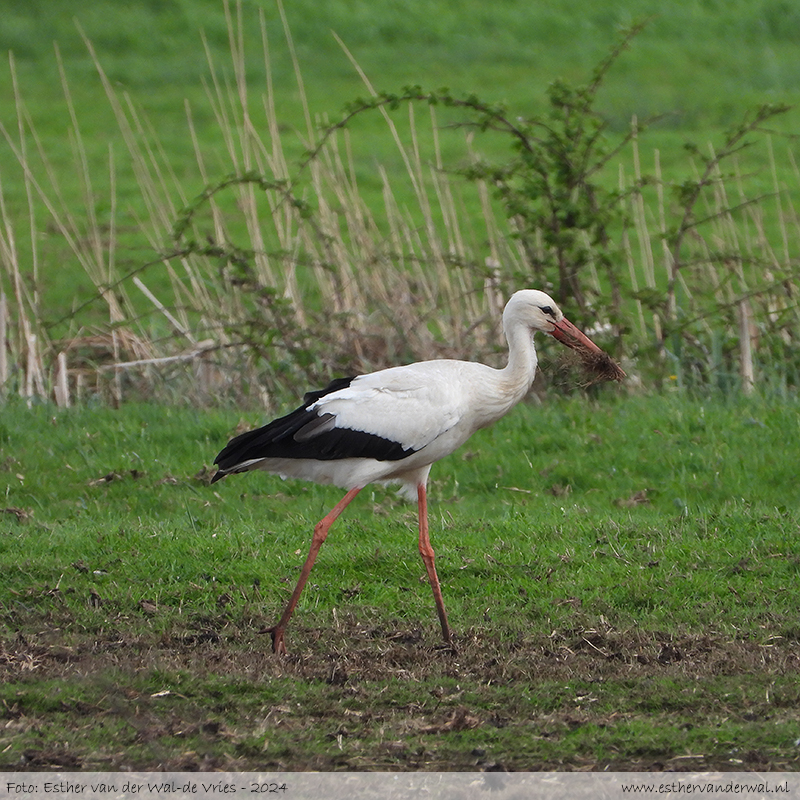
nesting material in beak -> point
(597, 362)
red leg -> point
(320, 533)
(426, 551)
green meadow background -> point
(699, 67)
(620, 565)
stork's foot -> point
(448, 646)
(278, 645)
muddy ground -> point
(362, 698)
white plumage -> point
(392, 425)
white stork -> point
(392, 425)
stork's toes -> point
(278, 645)
(448, 646)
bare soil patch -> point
(381, 698)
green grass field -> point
(621, 577)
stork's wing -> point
(411, 405)
(304, 433)
(386, 416)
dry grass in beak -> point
(599, 366)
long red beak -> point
(597, 360)
(567, 333)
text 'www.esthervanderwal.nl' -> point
(756, 788)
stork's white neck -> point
(506, 387)
(520, 371)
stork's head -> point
(532, 309)
(539, 312)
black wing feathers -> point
(334, 386)
(307, 434)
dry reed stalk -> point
(18, 344)
(116, 386)
(61, 382)
(4, 343)
(29, 193)
(778, 193)
(640, 225)
(667, 259)
(177, 326)
(746, 342)
(627, 250)
(35, 385)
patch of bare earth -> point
(356, 663)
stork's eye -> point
(548, 310)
